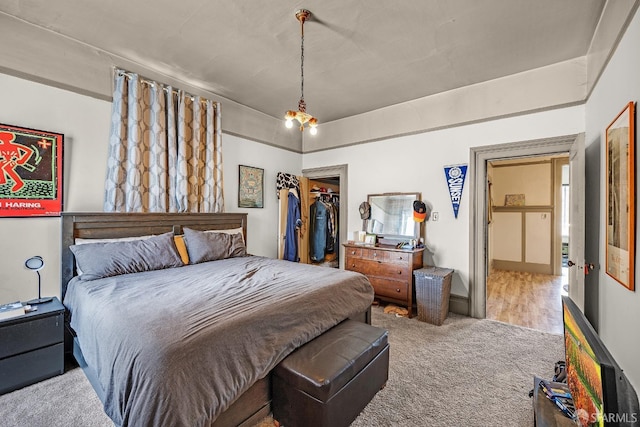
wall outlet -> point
(435, 216)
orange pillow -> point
(182, 248)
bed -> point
(191, 344)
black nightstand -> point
(32, 346)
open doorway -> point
(527, 239)
(479, 216)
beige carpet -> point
(467, 372)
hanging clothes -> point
(318, 231)
(293, 223)
(323, 228)
(331, 228)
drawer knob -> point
(375, 254)
(353, 265)
(399, 271)
(397, 289)
(353, 252)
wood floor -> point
(526, 299)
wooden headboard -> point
(101, 225)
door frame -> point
(340, 171)
(558, 164)
(479, 156)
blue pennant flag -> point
(455, 182)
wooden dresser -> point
(389, 270)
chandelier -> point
(301, 115)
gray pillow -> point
(203, 246)
(106, 259)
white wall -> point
(415, 163)
(619, 308)
(84, 121)
(262, 224)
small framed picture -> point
(370, 239)
(514, 200)
(250, 187)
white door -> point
(576, 221)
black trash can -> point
(433, 288)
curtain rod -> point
(163, 86)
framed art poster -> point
(30, 172)
(620, 198)
(250, 187)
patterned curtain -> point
(165, 150)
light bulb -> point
(313, 130)
(288, 123)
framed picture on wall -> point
(514, 200)
(251, 187)
(620, 197)
(30, 172)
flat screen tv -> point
(602, 394)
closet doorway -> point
(334, 177)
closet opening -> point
(324, 221)
(334, 177)
(320, 196)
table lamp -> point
(36, 263)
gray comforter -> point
(176, 347)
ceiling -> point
(359, 55)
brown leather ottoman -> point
(329, 380)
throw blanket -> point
(176, 347)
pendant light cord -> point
(302, 59)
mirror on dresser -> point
(392, 217)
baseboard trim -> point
(527, 267)
(459, 305)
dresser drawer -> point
(374, 254)
(354, 252)
(28, 368)
(401, 258)
(390, 288)
(32, 334)
(353, 264)
(377, 268)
